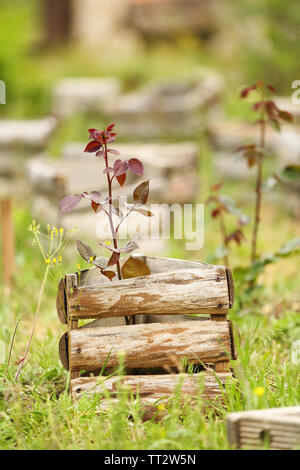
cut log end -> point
(64, 351)
(61, 302)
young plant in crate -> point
(99, 146)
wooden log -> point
(149, 345)
(8, 248)
(93, 277)
(150, 386)
(189, 291)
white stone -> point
(76, 95)
(29, 133)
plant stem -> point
(224, 236)
(258, 191)
(110, 218)
(34, 323)
(12, 344)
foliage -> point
(99, 146)
(268, 115)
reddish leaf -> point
(92, 146)
(114, 259)
(246, 91)
(271, 88)
(217, 186)
(100, 153)
(136, 166)
(141, 193)
(96, 207)
(258, 105)
(215, 213)
(110, 127)
(108, 274)
(286, 116)
(111, 138)
(68, 203)
(236, 236)
(121, 179)
(134, 267)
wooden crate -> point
(277, 428)
(173, 292)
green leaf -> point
(134, 267)
(291, 172)
(289, 248)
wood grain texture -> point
(150, 386)
(149, 345)
(189, 291)
(281, 426)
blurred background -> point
(169, 72)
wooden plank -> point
(187, 291)
(282, 425)
(8, 248)
(149, 345)
(152, 385)
(93, 277)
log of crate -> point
(176, 290)
(276, 428)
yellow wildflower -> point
(259, 391)
(54, 261)
(161, 407)
(48, 261)
(60, 259)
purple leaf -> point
(68, 203)
(120, 167)
(113, 151)
(95, 196)
(141, 193)
(85, 251)
(100, 153)
(114, 259)
(136, 166)
(92, 146)
(108, 170)
(129, 247)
